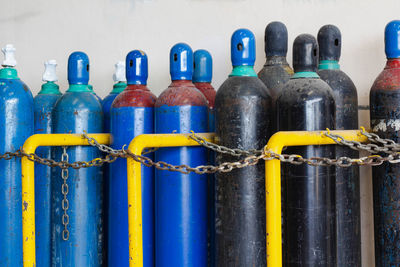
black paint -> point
(276, 71)
(241, 105)
(348, 224)
(330, 43)
(276, 39)
(307, 104)
(385, 105)
(305, 53)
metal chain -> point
(223, 149)
(64, 191)
(389, 146)
(251, 157)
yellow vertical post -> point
(28, 183)
(273, 181)
(135, 180)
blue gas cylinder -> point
(43, 107)
(119, 86)
(16, 125)
(202, 76)
(78, 110)
(181, 199)
(132, 114)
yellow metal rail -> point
(135, 184)
(28, 183)
(272, 172)
(272, 183)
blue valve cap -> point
(392, 39)
(181, 62)
(136, 67)
(202, 66)
(78, 68)
(243, 48)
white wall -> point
(108, 29)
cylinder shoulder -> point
(208, 91)
(275, 72)
(388, 79)
(307, 89)
(242, 86)
(338, 80)
(135, 98)
(78, 100)
(15, 88)
(181, 95)
(45, 101)
(107, 102)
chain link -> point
(382, 150)
(64, 191)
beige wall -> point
(108, 29)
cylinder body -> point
(348, 223)
(242, 106)
(132, 114)
(181, 199)
(106, 105)
(307, 104)
(76, 112)
(209, 92)
(43, 108)
(385, 118)
(16, 125)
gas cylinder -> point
(348, 225)
(306, 103)
(16, 125)
(43, 107)
(385, 121)
(118, 87)
(77, 194)
(242, 107)
(276, 71)
(202, 75)
(132, 114)
(181, 199)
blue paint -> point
(392, 41)
(136, 67)
(43, 106)
(16, 125)
(211, 120)
(202, 66)
(78, 110)
(243, 52)
(181, 62)
(181, 199)
(106, 105)
(78, 68)
(127, 123)
(132, 114)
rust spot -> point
(25, 204)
